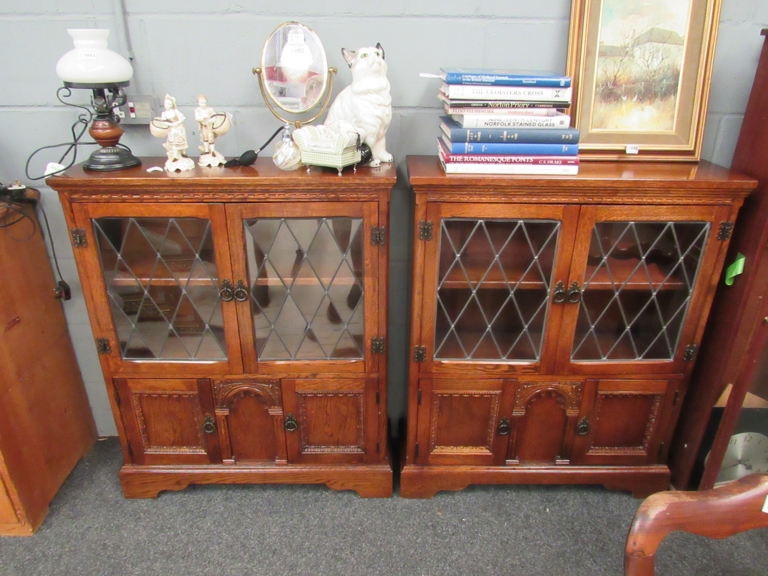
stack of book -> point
(504, 122)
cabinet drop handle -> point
(226, 292)
(290, 423)
(503, 428)
(241, 292)
(209, 426)
(583, 427)
(574, 293)
(558, 297)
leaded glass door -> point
(309, 275)
(159, 281)
(488, 283)
(636, 290)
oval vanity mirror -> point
(294, 75)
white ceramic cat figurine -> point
(366, 103)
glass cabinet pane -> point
(493, 287)
(162, 284)
(637, 288)
(306, 287)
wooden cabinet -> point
(46, 424)
(555, 321)
(240, 315)
(735, 346)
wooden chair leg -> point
(717, 513)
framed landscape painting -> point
(640, 74)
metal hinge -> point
(690, 352)
(724, 233)
(676, 398)
(117, 398)
(419, 353)
(425, 230)
(378, 397)
(418, 398)
(378, 447)
(103, 346)
(377, 345)
(378, 236)
(78, 238)
(416, 451)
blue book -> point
(514, 149)
(498, 77)
(457, 133)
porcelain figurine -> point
(366, 103)
(170, 124)
(212, 125)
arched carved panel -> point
(569, 393)
(249, 413)
(226, 393)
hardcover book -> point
(559, 120)
(498, 77)
(456, 133)
(519, 149)
(469, 92)
(496, 107)
(449, 158)
(526, 169)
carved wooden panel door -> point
(544, 421)
(168, 421)
(331, 420)
(249, 417)
(624, 422)
(464, 422)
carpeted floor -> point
(312, 530)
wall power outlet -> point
(138, 109)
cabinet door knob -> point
(558, 296)
(574, 293)
(583, 427)
(290, 423)
(503, 428)
(209, 426)
(227, 292)
(241, 292)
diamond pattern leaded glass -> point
(306, 287)
(162, 285)
(493, 288)
(637, 290)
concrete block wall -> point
(191, 47)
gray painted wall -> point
(189, 47)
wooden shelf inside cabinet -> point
(555, 320)
(632, 275)
(230, 354)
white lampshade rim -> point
(96, 85)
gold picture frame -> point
(640, 75)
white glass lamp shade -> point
(92, 62)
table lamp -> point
(93, 66)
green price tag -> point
(734, 269)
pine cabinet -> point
(240, 319)
(555, 321)
(46, 424)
